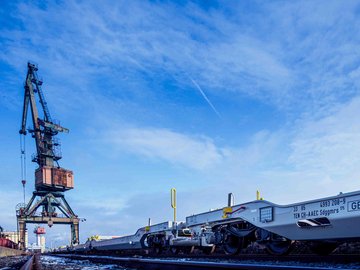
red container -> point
(39, 230)
(54, 177)
(7, 243)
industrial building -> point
(15, 237)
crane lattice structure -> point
(51, 181)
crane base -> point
(50, 201)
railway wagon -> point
(152, 236)
(322, 224)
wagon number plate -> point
(354, 206)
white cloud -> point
(8, 203)
(244, 65)
(108, 205)
(290, 60)
(196, 152)
(332, 143)
(323, 156)
(92, 40)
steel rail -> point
(29, 265)
(188, 264)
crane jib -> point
(53, 126)
(44, 130)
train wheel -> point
(208, 250)
(323, 248)
(174, 250)
(188, 250)
(157, 250)
(278, 247)
(232, 244)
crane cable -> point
(23, 161)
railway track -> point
(303, 258)
(29, 264)
(13, 262)
(214, 263)
(32, 263)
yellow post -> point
(173, 201)
(258, 196)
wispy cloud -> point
(108, 205)
(223, 52)
(107, 41)
(331, 143)
(195, 152)
(8, 203)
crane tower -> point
(40, 238)
(51, 181)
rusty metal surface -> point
(49, 176)
(62, 177)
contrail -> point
(205, 97)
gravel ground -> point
(12, 263)
(321, 264)
(52, 263)
(279, 262)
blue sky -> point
(209, 97)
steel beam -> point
(47, 220)
(49, 201)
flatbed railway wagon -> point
(322, 224)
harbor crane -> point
(51, 181)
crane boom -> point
(47, 147)
(29, 97)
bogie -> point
(323, 247)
